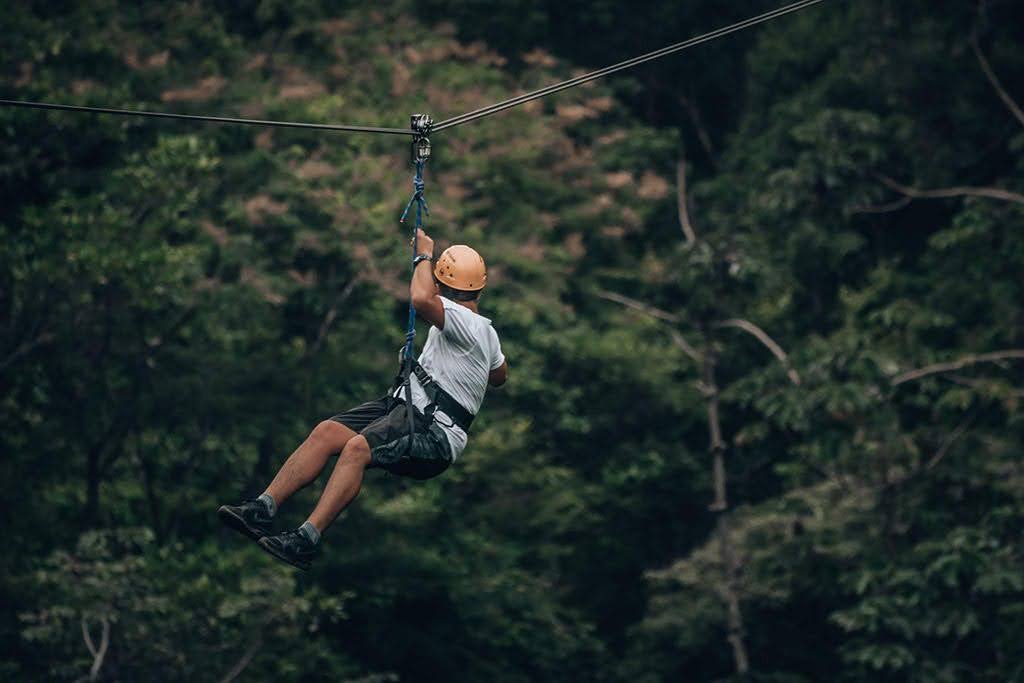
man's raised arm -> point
(423, 289)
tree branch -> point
(100, 653)
(731, 567)
(888, 207)
(26, 348)
(332, 314)
(692, 111)
(153, 345)
(698, 125)
(978, 384)
(244, 660)
(684, 212)
(948, 442)
(768, 342)
(716, 444)
(974, 359)
(995, 82)
(951, 192)
(88, 638)
(720, 505)
(684, 346)
(940, 453)
(659, 314)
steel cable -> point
(212, 119)
(455, 120)
(629, 63)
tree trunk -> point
(149, 478)
(736, 635)
(96, 467)
(720, 505)
(92, 487)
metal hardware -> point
(421, 125)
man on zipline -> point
(461, 358)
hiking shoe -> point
(250, 518)
(292, 547)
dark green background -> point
(180, 303)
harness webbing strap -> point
(441, 399)
(410, 332)
(438, 399)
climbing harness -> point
(440, 400)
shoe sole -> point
(236, 523)
(271, 550)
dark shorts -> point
(385, 426)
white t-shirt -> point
(459, 358)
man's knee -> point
(357, 451)
(332, 434)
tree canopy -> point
(762, 304)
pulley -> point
(420, 125)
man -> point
(461, 358)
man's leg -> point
(300, 547)
(344, 484)
(308, 460)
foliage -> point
(181, 303)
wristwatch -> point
(419, 257)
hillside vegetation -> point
(762, 305)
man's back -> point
(460, 358)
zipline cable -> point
(455, 120)
(629, 63)
(212, 119)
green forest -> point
(762, 303)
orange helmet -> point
(461, 267)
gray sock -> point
(309, 531)
(268, 503)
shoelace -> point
(260, 508)
(293, 538)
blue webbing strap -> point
(410, 333)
